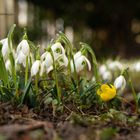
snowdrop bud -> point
(120, 82)
(107, 76)
(35, 68)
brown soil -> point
(28, 124)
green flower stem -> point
(1, 90)
(11, 57)
(56, 79)
(65, 40)
(36, 83)
(17, 89)
(134, 93)
(94, 60)
(26, 71)
(57, 85)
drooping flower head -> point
(35, 68)
(106, 92)
(59, 55)
(80, 62)
(22, 52)
(57, 50)
(46, 63)
(120, 82)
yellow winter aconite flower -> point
(106, 92)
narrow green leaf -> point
(3, 72)
(26, 91)
(11, 57)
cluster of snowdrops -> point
(28, 62)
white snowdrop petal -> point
(35, 68)
(88, 63)
(120, 82)
(21, 58)
(43, 68)
(24, 47)
(72, 66)
(102, 69)
(49, 69)
(77, 55)
(48, 60)
(57, 50)
(63, 61)
(4, 40)
(136, 67)
(79, 64)
(43, 56)
(5, 50)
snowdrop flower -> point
(120, 82)
(107, 76)
(24, 47)
(47, 62)
(115, 65)
(136, 67)
(22, 52)
(102, 69)
(5, 48)
(63, 61)
(35, 68)
(57, 50)
(80, 62)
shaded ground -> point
(28, 124)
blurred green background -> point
(111, 27)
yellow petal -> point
(106, 92)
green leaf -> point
(3, 71)
(26, 91)
(11, 56)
